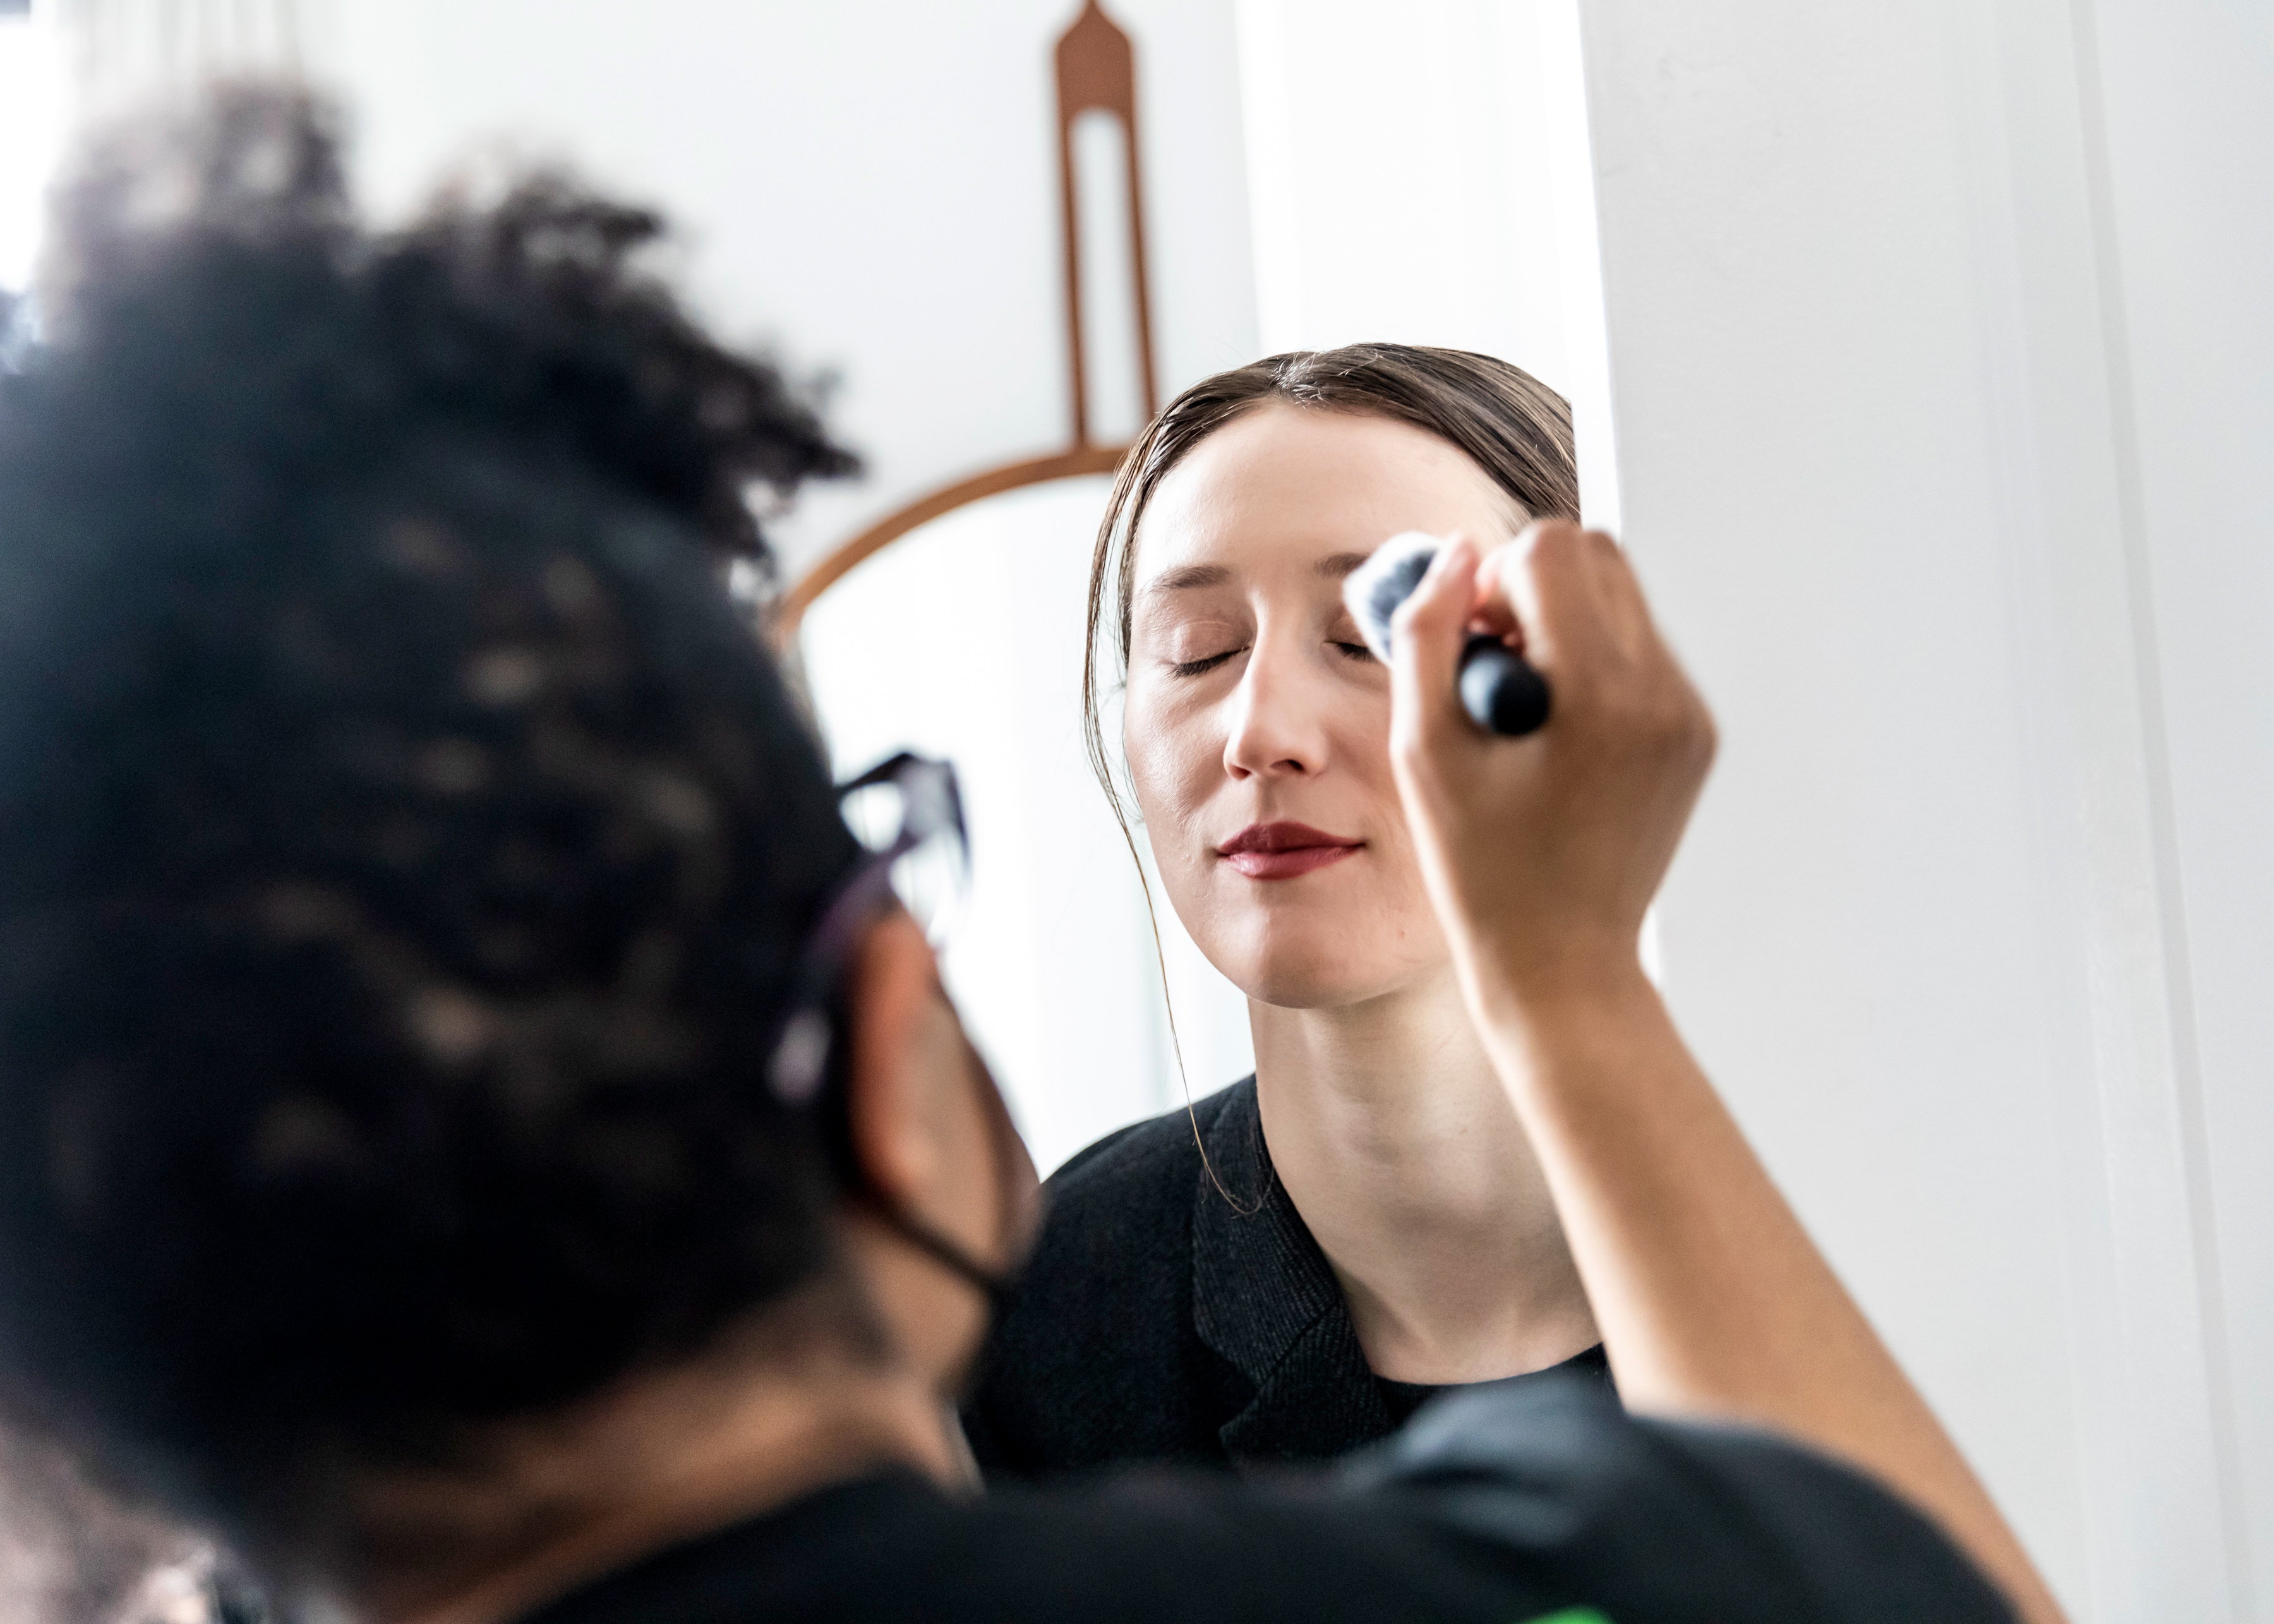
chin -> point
(1294, 972)
(1310, 949)
(1306, 988)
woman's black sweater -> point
(1158, 1321)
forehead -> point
(1289, 485)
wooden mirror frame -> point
(1096, 71)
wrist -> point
(1536, 980)
(1574, 1030)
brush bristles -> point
(1387, 579)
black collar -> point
(1265, 1298)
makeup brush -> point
(1500, 689)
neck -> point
(1399, 1144)
(648, 1470)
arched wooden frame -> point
(1097, 70)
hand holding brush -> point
(1500, 689)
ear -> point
(892, 1079)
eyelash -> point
(1200, 667)
(1193, 668)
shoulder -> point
(1194, 1547)
(1147, 1164)
(1093, 1358)
(1202, 1548)
(1118, 1217)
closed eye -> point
(1206, 663)
(1354, 650)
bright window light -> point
(31, 132)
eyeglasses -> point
(908, 812)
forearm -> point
(1712, 1300)
(1541, 855)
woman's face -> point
(1257, 726)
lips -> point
(1284, 851)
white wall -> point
(1937, 353)
(1418, 173)
(873, 181)
(1938, 344)
(2187, 124)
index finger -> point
(1427, 633)
(1550, 583)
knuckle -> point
(1683, 728)
(1672, 723)
(1555, 541)
(1654, 715)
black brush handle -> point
(1503, 691)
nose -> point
(1278, 720)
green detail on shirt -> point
(1571, 1615)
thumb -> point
(1426, 636)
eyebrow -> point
(1334, 567)
(1188, 577)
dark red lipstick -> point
(1282, 851)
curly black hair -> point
(405, 845)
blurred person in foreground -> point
(476, 1132)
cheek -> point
(1359, 737)
(1362, 750)
(1360, 746)
(1175, 754)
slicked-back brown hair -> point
(1513, 426)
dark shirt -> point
(1498, 1506)
(1161, 1321)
